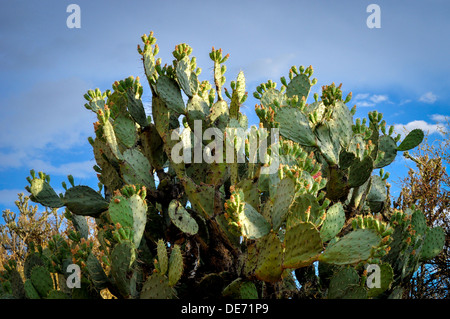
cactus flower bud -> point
(348, 98)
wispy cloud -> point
(428, 98)
(368, 100)
(439, 118)
(403, 102)
(77, 169)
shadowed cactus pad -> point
(181, 218)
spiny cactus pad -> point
(294, 125)
(333, 223)
(176, 266)
(434, 242)
(181, 218)
(41, 280)
(83, 200)
(44, 193)
(302, 245)
(269, 258)
(352, 248)
(157, 287)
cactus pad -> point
(386, 278)
(354, 247)
(333, 223)
(294, 125)
(181, 218)
(83, 200)
(433, 243)
(41, 280)
(302, 245)
(413, 139)
(44, 194)
(269, 258)
(170, 93)
(157, 287)
(175, 266)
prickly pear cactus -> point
(192, 200)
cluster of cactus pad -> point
(228, 228)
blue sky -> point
(401, 69)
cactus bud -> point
(391, 130)
(348, 98)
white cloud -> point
(367, 100)
(378, 98)
(440, 118)
(420, 124)
(403, 102)
(428, 98)
(77, 169)
(361, 96)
